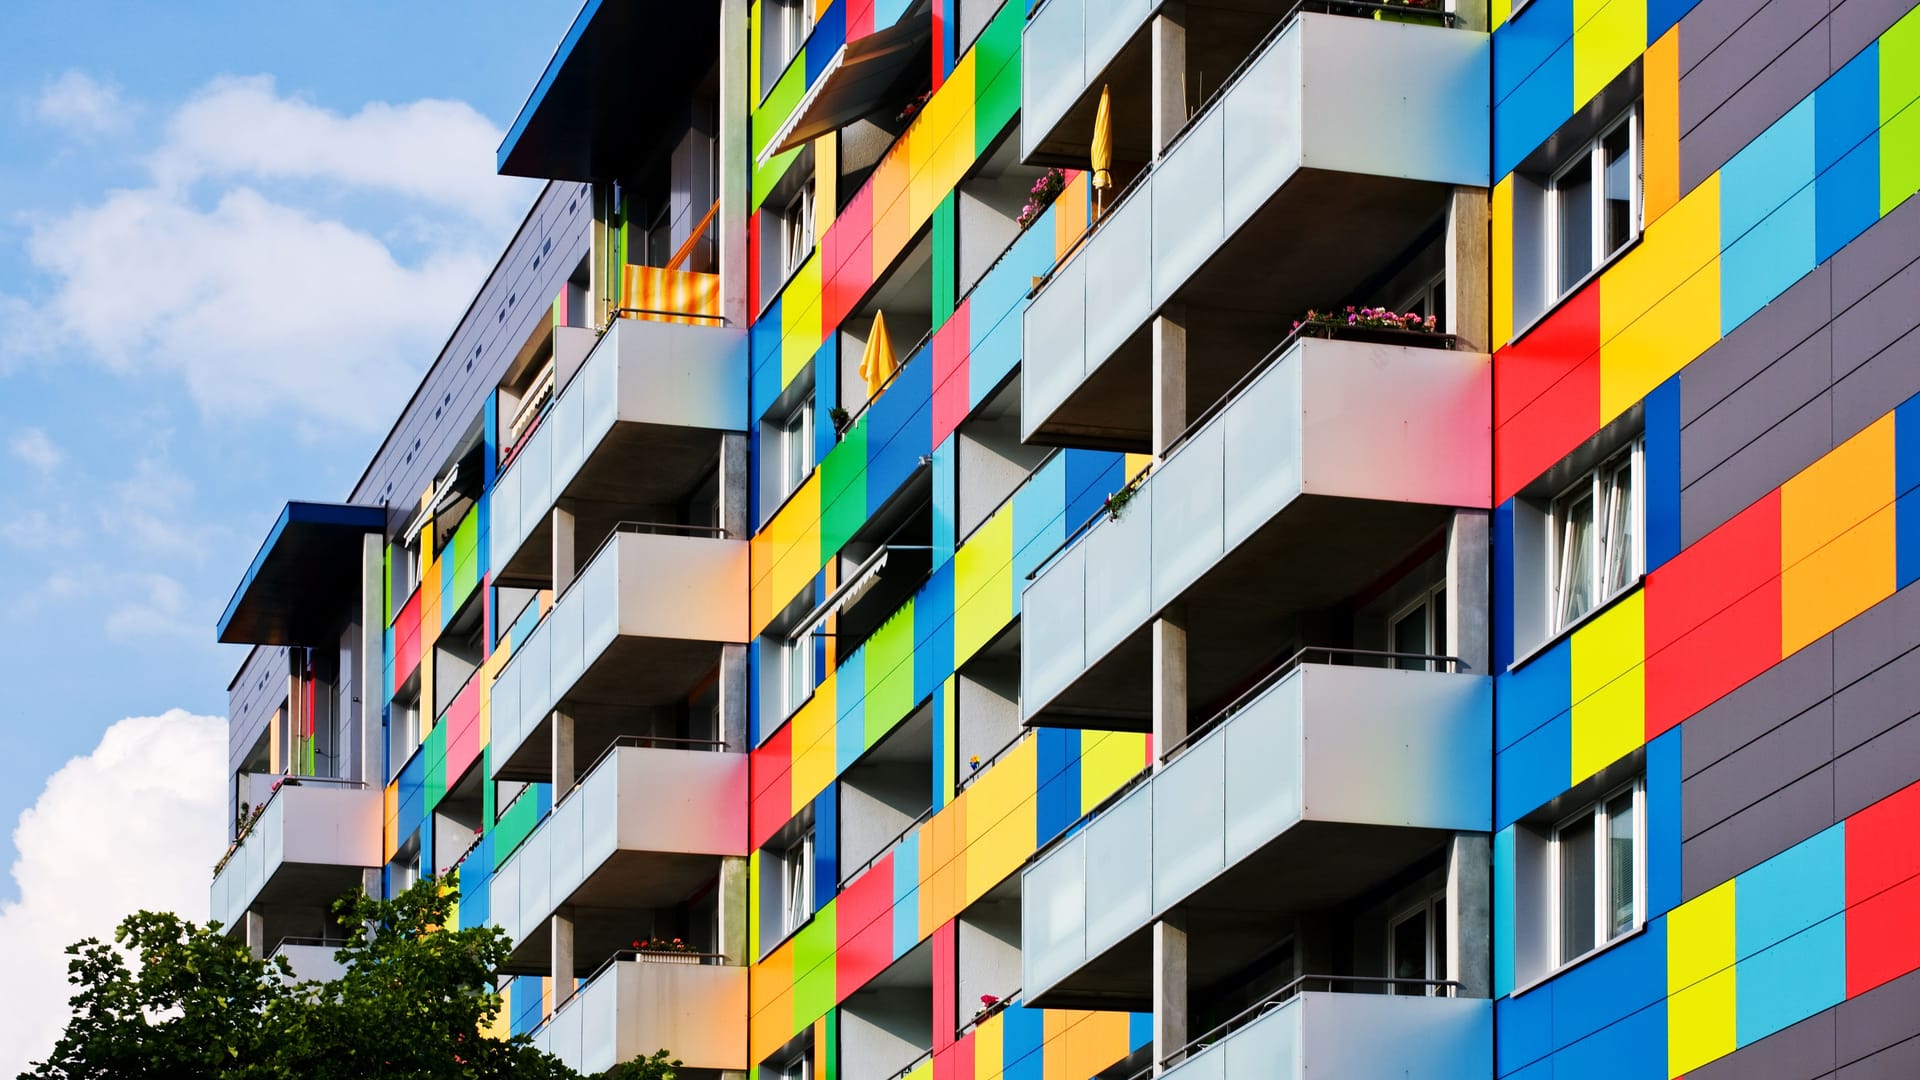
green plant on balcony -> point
(1426, 12)
(1376, 324)
(1041, 195)
(1117, 502)
(656, 1066)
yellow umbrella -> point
(877, 363)
(1103, 143)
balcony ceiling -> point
(867, 75)
(594, 112)
(305, 580)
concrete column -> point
(733, 698)
(1469, 586)
(366, 735)
(563, 568)
(732, 909)
(736, 162)
(1470, 914)
(1469, 247)
(1169, 102)
(1169, 683)
(1169, 337)
(563, 749)
(560, 935)
(255, 925)
(1169, 993)
(734, 478)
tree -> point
(656, 1067)
(413, 1002)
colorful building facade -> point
(1068, 539)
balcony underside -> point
(609, 909)
(1247, 294)
(1243, 613)
(631, 674)
(635, 466)
(1249, 910)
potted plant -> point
(1382, 326)
(1041, 195)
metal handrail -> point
(912, 1065)
(898, 367)
(1280, 997)
(961, 784)
(617, 313)
(1273, 675)
(987, 1013)
(479, 836)
(322, 942)
(642, 742)
(925, 816)
(1086, 821)
(258, 812)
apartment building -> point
(1100, 538)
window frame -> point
(1602, 495)
(1596, 814)
(1593, 154)
(1430, 606)
(1433, 909)
(796, 430)
(796, 883)
(797, 239)
(799, 674)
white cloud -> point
(438, 151)
(36, 530)
(82, 105)
(32, 446)
(159, 612)
(135, 824)
(275, 306)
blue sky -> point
(231, 237)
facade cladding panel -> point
(1669, 515)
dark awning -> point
(305, 580)
(857, 81)
(597, 109)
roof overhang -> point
(857, 81)
(305, 578)
(597, 108)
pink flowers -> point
(1319, 323)
(1046, 189)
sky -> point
(232, 237)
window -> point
(1420, 629)
(796, 884)
(797, 663)
(1597, 874)
(1594, 540)
(1429, 299)
(796, 228)
(796, 446)
(793, 1065)
(793, 21)
(1417, 946)
(1594, 204)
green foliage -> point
(413, 1003)
(656, 1067)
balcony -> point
(641, 1003)
(1315, 1033)
(638, 426)
(1331, 155)
(313, 841)
(312, 959)
(1327, 467)
(1358, 773)
(643, 625)
(645, 830)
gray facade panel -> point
(1871, 390)
(1880, 1018)
(1769, 699)
(1886, 248)
(1877, 702)
(1757, 833)
(1854, 25)
(1777, 392)
(1710, 23)
(1801, 1052)
(1877, 768)
(1711, 79)
(1899, 1062)
(1772, 332)
(1759, 467)
(1876, 636)
(1882, 317)
(1751, 109)
(1769, 763)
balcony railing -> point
(634, 1005)
(328, 828)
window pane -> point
(1410, 636)
(1620, 865)
(1439, 606)
(1574, 204)
(1574, 561)
(1621, 564)
(1576, 889)
(1616, 149)
(1410, 951)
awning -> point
(305, 580)
(596, 111)
(858, 80)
